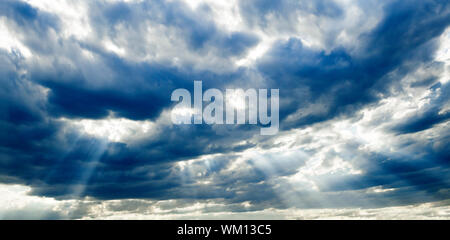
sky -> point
(85, 109)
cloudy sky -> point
(85, 129)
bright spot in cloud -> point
(443, 55)
(113, 129)
(9, 41)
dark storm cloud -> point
(27, 17)
(32, 25)
(16, 94)
(434, 113)
(41, 152)
(323, 85)
(37, 151)
(23, 124)
(143, 93)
